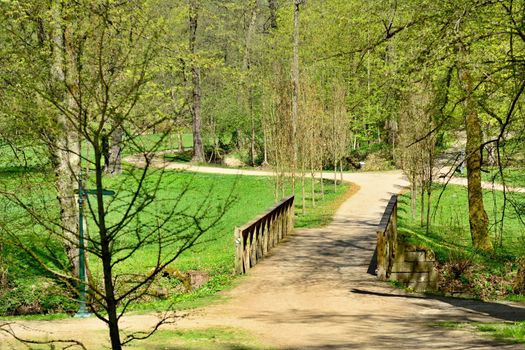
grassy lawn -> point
(211, 338)
(159, 142)
(213, 254)
(449, 220)
(194, 339)
(511, 332)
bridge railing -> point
(255, 239)
(387, 240)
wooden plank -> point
(253, 250)
(381, 269)
(246, 256)
(272, 232)
(265, 238)
(238, 251)
(258, 233)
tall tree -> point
(295, 86)
(478, 218)
(249, 85)
(65, 143)
(196, 103)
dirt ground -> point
(314, 292)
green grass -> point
(511, 332)
(324, 211)
(219, 338)
(22, 159)
(450, 226)
(213, 253)
(34, 156)
(210, 338)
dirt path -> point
(313, 292)
(462, 181)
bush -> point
(460, 275)
(39, 296)
(377, 162)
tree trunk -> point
(313, 186)
(65, 146)
(335, 175)
(422, 216)
(295, 86)
(106, 255)
(248, 87)
(303, 192)
(198, 149)
(322, 183)
(413, 196)
(265, 146)
(430, 143)
(181, 142)
(115, 152)
(478, 217)
(429, 193)
(341, 170)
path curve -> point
(313, 291)
(161, 163)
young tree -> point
(102, 81)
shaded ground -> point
(314, 292)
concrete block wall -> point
(414, 266)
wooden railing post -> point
(239, 248)
(381, 245)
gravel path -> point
(313, 291)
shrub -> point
(38, 296)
